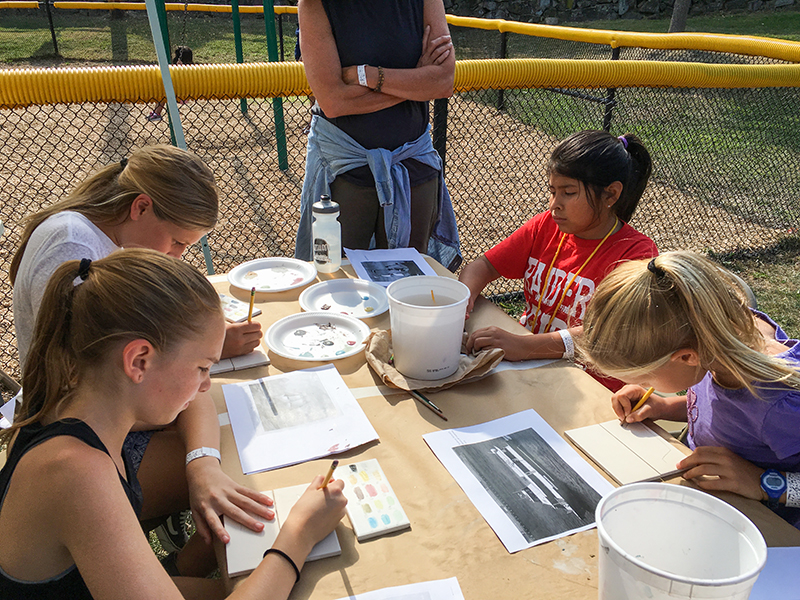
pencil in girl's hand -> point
(640, 403)
(329, 475)
(252, 302)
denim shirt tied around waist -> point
(331, 152)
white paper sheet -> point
(294, 417)
(442, 589)
(385, 266)
(780, 578)
(524, 478)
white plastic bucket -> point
(427, 331)
(662, 541)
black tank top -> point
(68, 584)
(386, 33)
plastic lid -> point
(325, 206)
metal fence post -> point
(277, 103)
(501, 100)
(280, 35)
(237, 39)
(440, 128)
(52, 29)
(610, 102)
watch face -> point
(773, 481)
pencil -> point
(252, 302)
(329, 475)
(643, 399)
(427, 403)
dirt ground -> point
(494, 171)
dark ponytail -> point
(598, 159)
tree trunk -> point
(679, 14)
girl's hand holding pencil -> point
(630, 404)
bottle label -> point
(321, 253)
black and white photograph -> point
(391, 270)
(528, 483)
(539, 492)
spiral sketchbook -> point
(631, 452)
(246, 548)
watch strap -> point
(773, 493)
(201, 452)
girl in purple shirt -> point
(681, 322)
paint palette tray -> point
(318, 336)
(355, 297)
(276, 274)
(372, 506)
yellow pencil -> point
(252, 302)
(329, 475)
(643, 399)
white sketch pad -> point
(443, 444)
(629, 453)
(246, 548)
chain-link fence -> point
(726, 162)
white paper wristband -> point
(569, 346)
(792, 490)
(362, 75)
(201, 452)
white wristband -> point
(569, 346)
(792, 490)
(201, 452)
(362, 75)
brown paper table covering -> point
(448, 536)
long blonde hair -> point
(644, 311)
(130, 294)
(179, 183)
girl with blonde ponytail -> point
(122, 340)
(681, 322)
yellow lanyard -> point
(571, 281)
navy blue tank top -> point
(386, 33)
(68, 584)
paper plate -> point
(275, 274)
(317, 336)
(355, 297)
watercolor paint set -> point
(372, 506)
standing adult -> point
(373, 67)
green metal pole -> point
(277, 103)
(237, 38)
(161, 13)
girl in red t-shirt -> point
(596, 181)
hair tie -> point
(624, 141)
(655, 270)
(123, 163)
(83, 269)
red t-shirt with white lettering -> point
(526, 254)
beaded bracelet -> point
(792, 490)
(378, 87)
(288, 559)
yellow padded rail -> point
(545, 73)
(712, 42)
(220, 8)
(18, 4)
(25, 87)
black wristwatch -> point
(774, 485)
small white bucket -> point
(662, 541)
(427, 330)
